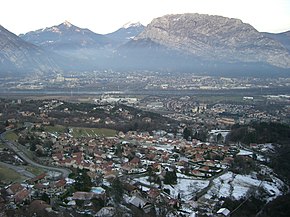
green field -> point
(34, 170)
(11, 136)
(56, 128)
(8, 175)
(78, 132)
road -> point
(23, 156)
(18, 169)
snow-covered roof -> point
(223, 211)
(137, 201)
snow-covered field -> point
(187, 188)
(227, 185)
(237, 186)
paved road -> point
(23, 156)
(19, 170)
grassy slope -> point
(82, 131)
(9, 175)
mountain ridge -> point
(195, 43)
(127, 32)
(17, 55)
(65, 36)
(215, 38)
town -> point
(142, 82)
(137, 156)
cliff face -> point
(215, 38)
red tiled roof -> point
(16, 187)
(153, 193)
(135, 160)
(37, 178)
(60, 183)
(21, 196)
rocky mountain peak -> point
(132, 24)
(65, 36)
(67, 23)
(215, 38)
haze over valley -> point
(192, 43)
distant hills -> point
(194, 43)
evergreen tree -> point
(83, 181)
(117, 190)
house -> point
(80, 195)
(21, 196)
(223, 212)
(41, 188)
(197, 173)
(106, 212)
(57, 156)
(209, 163)
(227, 160)
(154, 195)
(14, 188)
(137, 201)
(59, 185)
(135, 162)
(38, 178)
(130, 189)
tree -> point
(170, 178)
(45, 198)
(83, 181)
(118, 150)
(117, 190)
(187, 133)
(219, 137)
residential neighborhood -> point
(129, 173)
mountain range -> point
(195, 43)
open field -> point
(11, 136)
(8, 175)
(34, 170)
(78, 132)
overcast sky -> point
(104, 16)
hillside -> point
(21, 58)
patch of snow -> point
(187, 188)
(237, 186)
(245, 152)
(224, 133)
(68, 24)
(261, 158)
(131, 24)
(55, 29)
